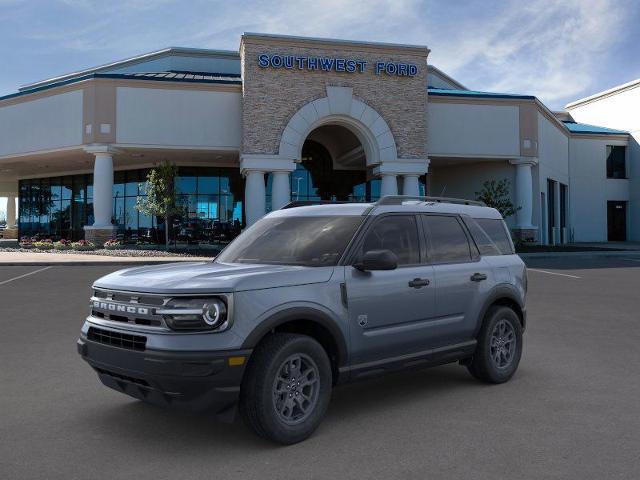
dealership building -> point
(290, 118)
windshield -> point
(306, 241)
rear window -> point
(497, 234)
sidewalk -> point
(37, 259)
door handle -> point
(419, 282)
(478, 277)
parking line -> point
(25, 275)
(553, 273)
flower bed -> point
(113, 245)
(83, 245)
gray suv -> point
(310, 297)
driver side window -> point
(398, 233)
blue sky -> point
(556, 50)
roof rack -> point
(306, 203)
(399, 199)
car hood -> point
(209, 277)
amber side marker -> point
(236, 361)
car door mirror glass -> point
(377, 260)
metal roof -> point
(444, 92)
(187, 77)
(585, 128)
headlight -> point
(196, 314)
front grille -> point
(117, 339)
(131, 308)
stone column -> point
(11, 232)
(11, 212)
(389, 185)
(411, 185)
(254, 196)
(102, 228)
(525, 230)
(280, 190)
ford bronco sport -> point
(310, 297)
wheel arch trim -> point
(300, 313)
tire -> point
(496, 358)
(275, 404)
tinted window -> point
(616, 162)
(486, 246)
(397, 233)
(448, 242)
(497, 233)
(306, 241)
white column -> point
(254, 196)
(103, 189)
(411, 185)
(11, 211)
(280, 190)
(524, 193)
(389, 185)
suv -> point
(310, 297)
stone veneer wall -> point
(272, 96)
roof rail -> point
(306, 203)
(398, 199)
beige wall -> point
(173, 117)
(473, 129)
(45, 123)
(272, 96)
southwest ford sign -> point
(334, 64)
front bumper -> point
(195, 381)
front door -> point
(390, 311)
(617, 221)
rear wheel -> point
(499, 347)
(287, 388)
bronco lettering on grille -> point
(115, 307)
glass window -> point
(118, 184)
(186, 184)
(616, 167)
(448, 242)
(131, 184)
(485, 245)
(497, 231)
(306, 241)
(398, 233)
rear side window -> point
(497, 232)
(448, 242)
(483, 241)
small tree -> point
(161, 199)
(496, 194)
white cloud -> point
(547, 48)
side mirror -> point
(377, 260)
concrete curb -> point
(588, 254)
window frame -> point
(474, 252)
(351, 254)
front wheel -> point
(499, 347)
(287, 388)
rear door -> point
(461, 277)
(389, 311)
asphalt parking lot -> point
(572, 411)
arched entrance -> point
(333, 166)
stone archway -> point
(339, 107)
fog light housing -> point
(196, 314)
